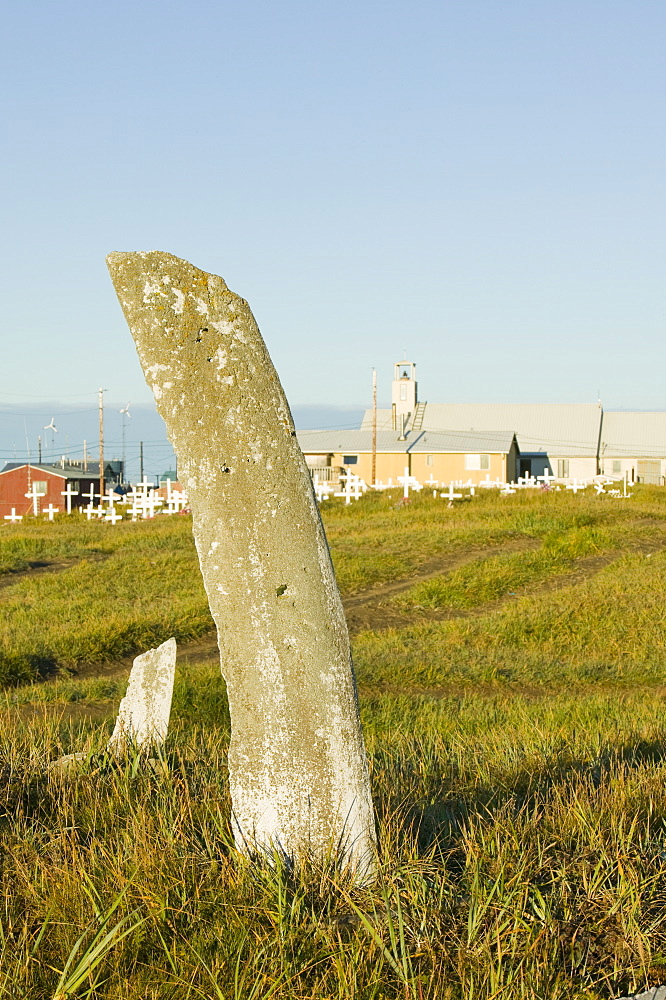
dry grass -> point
(518, 763)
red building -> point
(46, 485)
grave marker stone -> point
(143, 716)
(297, 766)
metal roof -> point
(633, 435)
(66, 472)
(556, 428)
(353, 441)
(113, 466)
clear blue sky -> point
(481, 182)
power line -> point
(28, 395)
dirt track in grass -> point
(371, 610)
(39, 566)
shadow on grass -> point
(434, 823)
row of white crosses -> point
(143, 501)
(353, 487)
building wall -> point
(616, 468)
(445, 468)
(14, 486)
(580, 467)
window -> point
(562, 468)
(349, 459)
(40, 486)
(477, 462)
(429, 460)
(617, 465)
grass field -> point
(511, 674)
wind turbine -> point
(125, 414)
(52, 427)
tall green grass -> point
(148, 587)
(522, 855)
(517, 759)
(488, 579)
(609, 629)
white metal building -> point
(634, 443)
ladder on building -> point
(419, 413)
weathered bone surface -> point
(143, 716)
(297, 765)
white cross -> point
(405, 482)
(132, 501)
(575, 486)
(143, 487)
(51, 510)
(34, 496)
(90, 495)
(409, 482)
(507, 489)
(432, 482)
(322, 491)
(113, 516)
(599, 487)
(111, 496)
(352, 487)
(154, 501)
(178, 501)
(345, 479)
(69, 493)
(13, 517)
(450, 496)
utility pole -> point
(140, 461)
(374, 427)
(85, 456)
(39, 449)
(101, 444)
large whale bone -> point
(297, 765)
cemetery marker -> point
(34, 495)
(68, 494)
(297, 767)
(143, 716)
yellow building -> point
(559, 438)
(428, 456)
